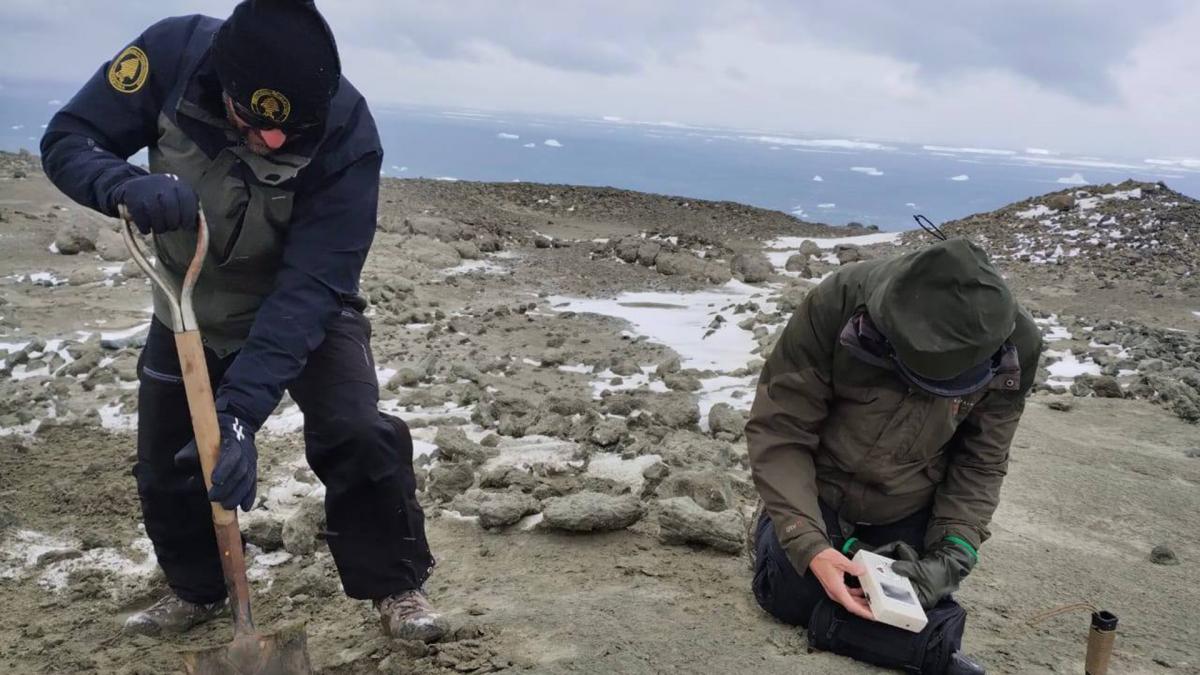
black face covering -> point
(278, 62)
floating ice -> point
(507, 136)
(960, 177)
(1074, 179)
(970, 151)
(869, 170)
(552, 143)
(818, 179)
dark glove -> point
(896, 550)
(235, 477)
(939, 573)
(158, 203)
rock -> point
(591, 512)
(711, 490)
(300, 530)
(429, 252)
(553, 357)
(454, 446)
(752, 267)
(677, 410)
(682, 521)
(810, 249)
(798, 263)
(504, 477)
(111, 246)
(1105, 386)
(264, 532)
(626, 367)
(1060, 404)
(793, 296)
(648, 252)
(86, 275)
(500, 509)
(468, 250)
(467, 503)
(1060, 202)
(1163, 555)
(627, 249)
(74, 238)
(1190, 453)
(848, 253)
(317, 580)
(682, 382)
(443, 229)
(682, 264)
(608, 432)
(723, 419)
(405, 377)
(669, 365)
(691, 450)
(447, 480)
(131, 270)
(1146, 365)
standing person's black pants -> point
(376, 528)
(799, 599)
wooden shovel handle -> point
(208, 446)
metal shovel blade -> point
(281, 653)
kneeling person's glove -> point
(939, 572)
(159, 203)
(235, 477)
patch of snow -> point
(612, 466)
(1037, 211)
(1065, 370)
(126, 332)
(534, 451)
(21, 551)
(468, 266)
(681, 320)
(112, 418)
(581, 368)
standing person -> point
(883, 420)
(251, 118)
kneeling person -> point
(883, 419)
(251, 118)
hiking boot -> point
(409, 616)
(171, 615)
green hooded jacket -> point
(834, 419)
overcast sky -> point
(1101, 76)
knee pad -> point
(833, 629)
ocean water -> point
(819, 178)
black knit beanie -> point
(278, 59)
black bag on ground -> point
(833, 629)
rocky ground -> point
(576, 364)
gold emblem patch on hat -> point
(128, 72)
(271, 105)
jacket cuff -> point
(226, 406)
(803, 548)
(938, 536)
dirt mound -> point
(1116, 232)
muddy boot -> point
(409, 616)
(171, 615)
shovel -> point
(251, 652)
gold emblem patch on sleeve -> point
(270, 104)
(128, 72)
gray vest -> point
(248, 218)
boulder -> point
(677, 410)
(500, 509)
(752, 267)
(711, 490)
(86, 275)
(797, 263)
(648, 252)
(591, 512)
(74, 238)
(447, 480)
(723, 419)
(682, 382)
(682, 521)
(443, 229)
(1163, 555)
(628, 248)
(1105, 386)
(263, 531)
(111, 246)
(681, 264)
(429, 252)
(848, 253)
(809, 248)
(608, 432)
(301, 529)
(468, 250)
(454, 446)
(1060, 202)
(131, 270)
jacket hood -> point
(944, 309)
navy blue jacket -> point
(85, 151)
